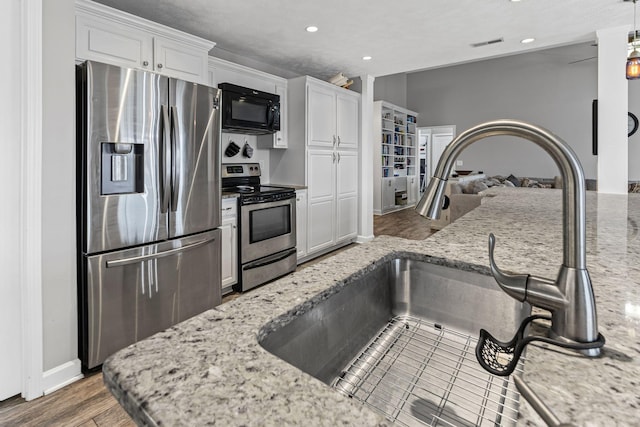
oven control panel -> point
(266, 198)
(240, 170)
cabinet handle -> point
(145, 63)
(338, 140)
(159, 66)
(334, 140)
(338, 156)
(334, 157)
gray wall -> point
(540, 87)
(392, 89)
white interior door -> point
(424, 157)
(439, 142)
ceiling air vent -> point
(488, 42)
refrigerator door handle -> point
(164, 149)
(175, 176)
(141, 258)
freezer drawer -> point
(129, 295)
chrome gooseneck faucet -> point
(570, 296)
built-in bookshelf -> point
(398, 150)
(396, 156)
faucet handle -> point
(514, 285)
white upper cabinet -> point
(347, 121)
(179, 60)
(114, 37)
(335, 117)
(280, 139)
(113, 43)
(322, 113)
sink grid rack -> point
(420, 373)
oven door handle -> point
(269, 260)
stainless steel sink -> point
(401, 339)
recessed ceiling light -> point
(311, 29)
(529, 40)
(366, 58)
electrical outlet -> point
(459, 163)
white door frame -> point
(30, 251)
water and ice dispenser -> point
(122, 168)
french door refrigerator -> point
(148, 205)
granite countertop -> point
(211, 370)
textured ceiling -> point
(401, 35)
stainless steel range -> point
(267, 223)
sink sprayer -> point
(570, 296)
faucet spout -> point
(570, 296)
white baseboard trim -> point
(60, 376)
(364, 239)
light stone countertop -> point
(211, 370)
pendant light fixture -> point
(633, 61)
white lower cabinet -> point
(388, 193)
(229, 238)
(301, 223)
(413, 190)
(347, 195)
(321, 203)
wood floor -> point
(406, 223)
(87, 403)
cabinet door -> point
(412, 190)
(280, 138)
(347, 195)
(181, 61)
(321, 117)
(113, 43)
(347, 121)
(321, 205)
(388, 193)
(301, 223)
(229, 241)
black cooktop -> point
(245, 180)
(253, 194)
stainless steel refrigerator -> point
(148, 205)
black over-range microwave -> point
(249, 111)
